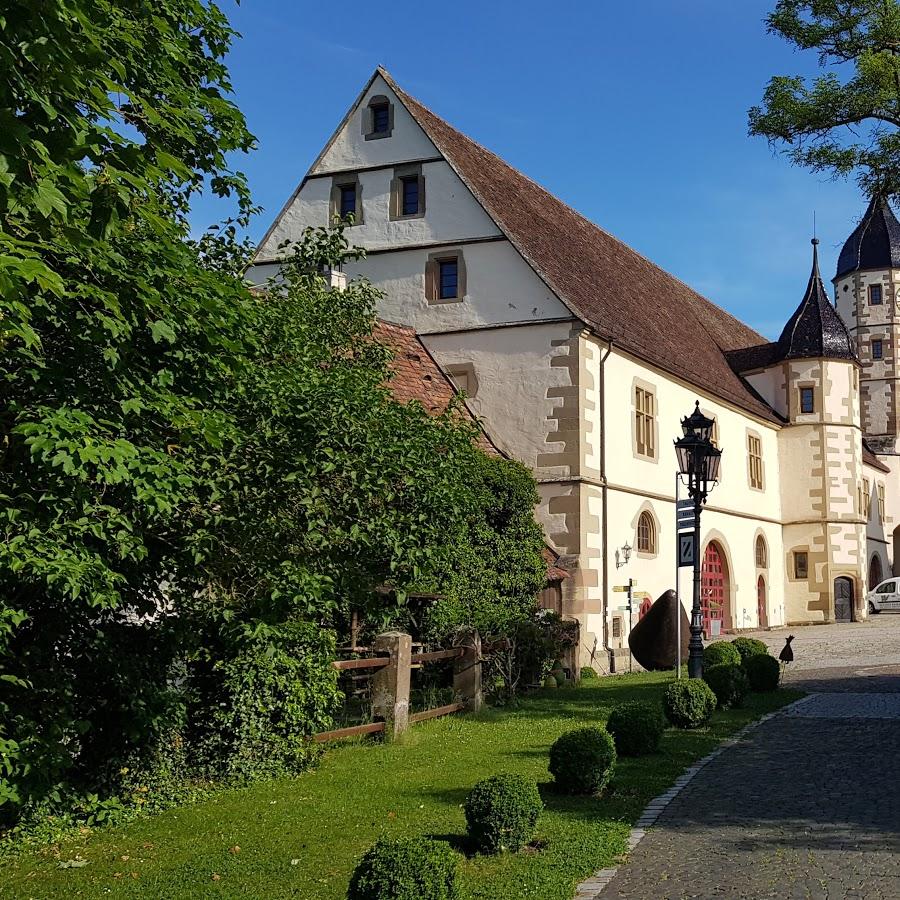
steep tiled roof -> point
(815, 329)
(875, 242)
(416, 375)
(620, 294)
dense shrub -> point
(729, 684)
(636, 727)
(583, 761)
(748, 647)
(263, 700)
(763, 672)
(719, 652)
(689, 703)
(501, 813)
(588, 673)
(405, 869)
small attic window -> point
(378, 118)
(381, 118)
(807, 400)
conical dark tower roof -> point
(815, 329)
(875, 242)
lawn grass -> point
(301, 837)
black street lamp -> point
(698, 462)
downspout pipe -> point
(604, 517)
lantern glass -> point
(711, 464)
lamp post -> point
(698, 462)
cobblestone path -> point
(807, 805)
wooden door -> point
(714, 590)
(843, 599)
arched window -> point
(646, 534)
(762, 556)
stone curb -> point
(590, 888)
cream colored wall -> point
(518, 384)
(735, 514)
(866, 322)
(822, 471)
(771, 385)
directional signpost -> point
(684, 533)
(620, 588)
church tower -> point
(867, 295)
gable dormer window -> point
(378, 118)
(448, 279)
(445, 277)
(409, 203)
(346, 199)
(407, 192)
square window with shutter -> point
(645, 422)
(754, 454)
(445, 277)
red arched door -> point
(644, 608)
(761, 610)
(715, 591)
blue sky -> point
(635, 114)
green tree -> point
(198, 484)
(117, 342)
(846, 120)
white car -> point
(885, 596)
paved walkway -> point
(807, 805)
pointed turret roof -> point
(875, 242)
(815, 329)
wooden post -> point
(390, 686)
(467, 672)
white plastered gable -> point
(349, 149)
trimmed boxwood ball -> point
(582, 761)
(720, 652)
(689, 703)
(501, 813)
(748, 647)
(405, 869)
(636, 727)
(729, 683)
(587, 673)
(764, 672)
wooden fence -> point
(391, 683)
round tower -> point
(821, 461)
(867, 295)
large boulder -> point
(654, 640)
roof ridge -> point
(589, 222)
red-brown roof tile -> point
(620, 294)
(870, 459)
(417, 376)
